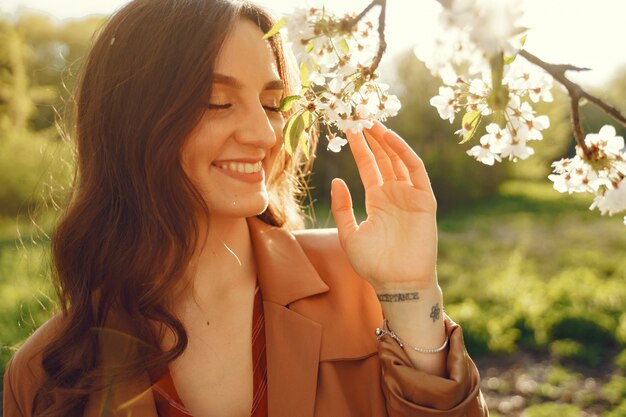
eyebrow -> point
(233, 82)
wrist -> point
(408, 310)
(432, 285)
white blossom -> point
(599, 173)
(444, 103)
(497, 138)
(334, 108)
(612, 201)
(606, 141)
(484, 152)
(336, 143)
(388, 107)
(335, 67)
(517, 149)
(524, 78)
(573, 175)
(354, 124)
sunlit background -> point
(537, 281)
(581, 32)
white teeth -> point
(242, 167)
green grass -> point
(531, 270)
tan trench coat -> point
(323, 359)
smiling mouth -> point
(251, 173)
(241, 167)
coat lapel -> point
(293, 341)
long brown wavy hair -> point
(129, 230)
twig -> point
(360, 16)
(382, 44)
(576, 93)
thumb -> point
(341, 207)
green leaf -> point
(287, 103)
(343, 46)
(508, 60)
(275, 29)
(306, 115)
(470, 123)
(304, 75)
(304, 137)
(523, 40)
(292, 132)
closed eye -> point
(219, 106)
(228, 105)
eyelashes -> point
(228, 105)
(219, 106)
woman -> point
(176, 254)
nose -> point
(255, 128)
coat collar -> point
(285, 273)
(293, 341)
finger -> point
(365, 160)
(383, 160)
(378, 131)
(341, 207)
(401, 171)
(413, 163)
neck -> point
(222, 263)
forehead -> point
(246, 56)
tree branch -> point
(576, 93)
(382, 44)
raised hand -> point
(396, 246)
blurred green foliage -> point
(35, 171)
(25, 289)
(619, 411)
(615, 390)
(547, 269)
(38, 61)
(573, 351)
(620, 361)
(551, 410)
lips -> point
(251, 177)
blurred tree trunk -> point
(14, 91)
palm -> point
(397, 243)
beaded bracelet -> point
(380, 332)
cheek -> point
(197, 150)
(278, 129)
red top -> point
(168, 402)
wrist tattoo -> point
(390, 298)
(435, 312)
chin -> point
(238, 209)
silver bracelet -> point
(380, 332)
